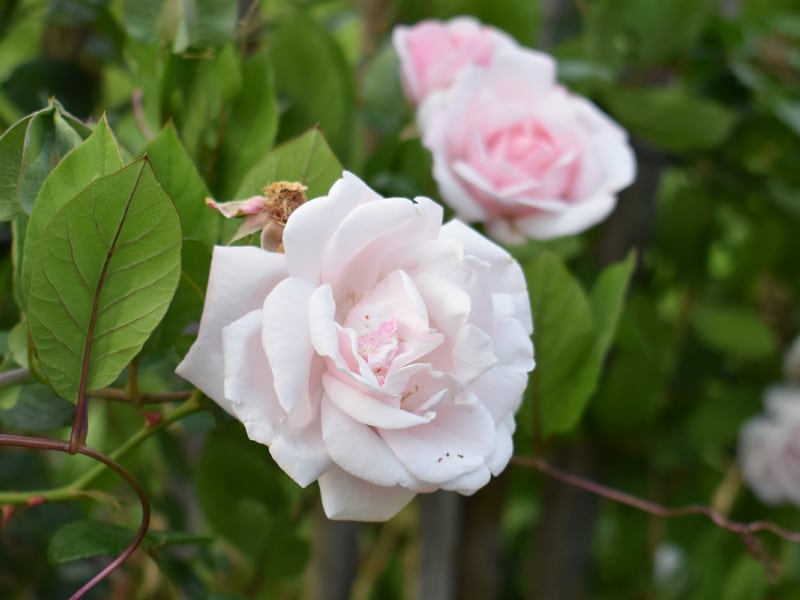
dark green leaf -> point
(313, 77)
(86, 538)
(250, 126)
(107, 268)
(733, 330)
(38, 409)
(627, 31)
(239, 488)
(564, 337)
(670, 118)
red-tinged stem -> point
(34, 443)
(744, 529)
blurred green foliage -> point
(216, 94)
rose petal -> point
(287, 343)
(248, 380)
(357, 449)
(239, 280)
(578, 217)
(345, 497)
(367, 409)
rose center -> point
(379, 347)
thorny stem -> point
(746, 530)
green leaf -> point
(205, 24)
(18, 343)
(607, 299)
(250, 126)
(307, 159)
(187, 305)
(86, 538)
(29, 150)
(142, 19)
(177, 174)
(625, 31)
(734, 330)
(95, 157)
(38, 409)
(314, 81)
(240, 489)
(670, 118)
(105, 273)
(564, 337)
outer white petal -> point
(301, 453)
(345, 497)
(469, 483)
(239, 280)
(287, 343)
(504, 446)
(457, 442)
(248, 379)
(577, 218)
(757, 458)
(357, 449)
(505, 275)
(310, 227)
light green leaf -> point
(307, 159)
(177, 174)
(250, 126)
(670, 118)
(38, 409)
(29, 149)
(734, 330)
(564, 337)
(97, 156)
(106, 270)
(86, 538)
(607, 299)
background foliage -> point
(656, 333)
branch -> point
(746, 530)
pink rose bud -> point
(383, 353)
(434, 53)
(516, 151)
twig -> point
(14, 376)
(746, 530)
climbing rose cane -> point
(383, 353)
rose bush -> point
(384, 353)
(513, 149)
(769, 448)
(433, 54)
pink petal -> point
(345, 497)
(301, 453)
(248, 379)
(357, 449)
(578, 217)
(311, 225)
(287, 342)
(367, 409)
(239, 280)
